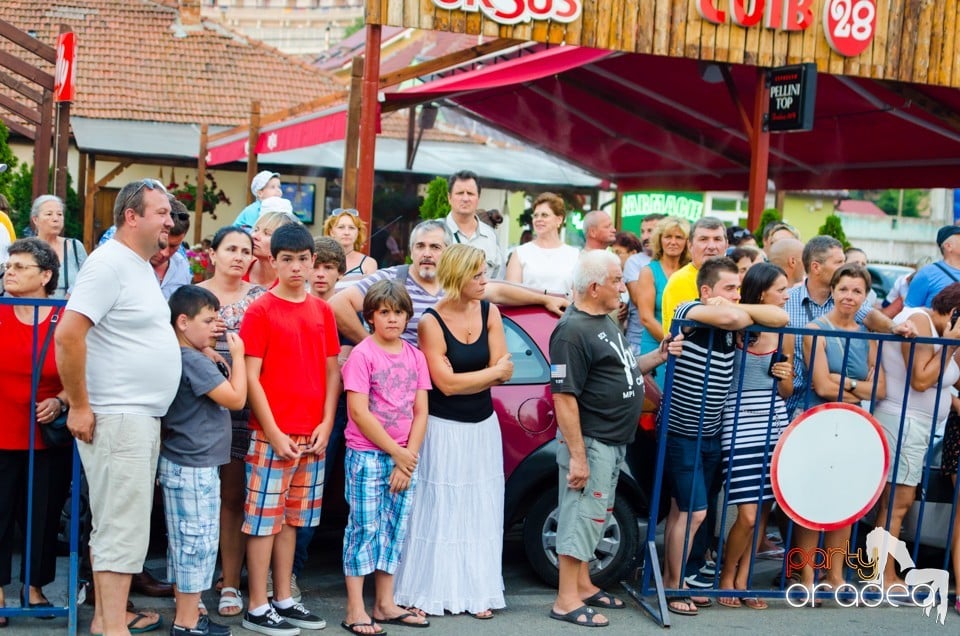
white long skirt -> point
(451, 560)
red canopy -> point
(647, 122)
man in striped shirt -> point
(701, 381)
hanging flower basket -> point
(213, 195)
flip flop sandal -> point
(352, 628)
(146, 628)
(729, 601)
(685, 600)
(604, 600)
(754, 603)
(483, 616)
(589, 613)
(399, 620)
(701, 602)
(229, 602)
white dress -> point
(549, 269)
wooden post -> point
(348, 189)
(369, 111)
(89, 192)
(759, 153)
(252, 136)
(201, 179)
(41, 147)
(61, 143)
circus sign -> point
(516, 11)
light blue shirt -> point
(178, 274)
(248, 217)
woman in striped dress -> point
(753, 418)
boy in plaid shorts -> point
(291, 356)
(386, 380)
(194, 444)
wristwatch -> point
(63, 405)
(853, 385)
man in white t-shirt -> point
(119, 361)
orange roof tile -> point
(137, 62)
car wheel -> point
(613, 557)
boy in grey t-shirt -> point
(195, 442)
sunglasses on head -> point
(350, 211)
(740, 234)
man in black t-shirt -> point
(597, 387)
(689, 473)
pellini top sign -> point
(516, 11)
(848, 25)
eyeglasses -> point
(350, 211)
(151, 184)
(19, 267)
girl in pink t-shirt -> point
(386, 380)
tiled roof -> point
(416, 45)
(137, 62)
(855, 206)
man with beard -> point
(120, 364)
(427, 241)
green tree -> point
(889, 201)
(832, 226)
(354, 27)
(435, 205)
(7, 157)
(770, 215)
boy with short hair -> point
(291, 357)
(329, 265)
(195, 443)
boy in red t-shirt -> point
(294, 381)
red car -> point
(529, 428)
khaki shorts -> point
(913, 449)
(584, 513)
(121, 467)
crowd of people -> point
(238, 394)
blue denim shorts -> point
(689, 474)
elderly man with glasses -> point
(119, 361)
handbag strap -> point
(947, 271)
(37, 368)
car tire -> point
(614, 557)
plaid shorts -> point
(191, 501)
(377, 525)
(281, 491)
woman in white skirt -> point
(452, 557)
(752, 426)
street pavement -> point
(528, 601)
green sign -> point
(688, 205)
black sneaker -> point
(300, 616)
(270, 623)
(204, 628)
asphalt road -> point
(528, 601)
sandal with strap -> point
(230, 605)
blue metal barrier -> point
(651, 581)
(70, 610)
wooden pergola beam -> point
(18, 128)
(24, 69)
(280, 115)
(113, 173)
(15, 107)
(25, 41)
(14, 84)
(451, 59)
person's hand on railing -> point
(907, 330)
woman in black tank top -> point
(456, 524)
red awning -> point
(648, 122)
(318, 128)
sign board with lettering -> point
(66, 69)
(898, 40)
(793, 96)
(635, 206)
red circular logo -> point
(850, 25)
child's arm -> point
(282, 445)
(399, 480)
(232, 393)
(321, 434)
(358, 405)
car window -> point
(529, 364)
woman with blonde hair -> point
(670, 252)
(261, 270)
(545, 263)
(346, 227)
(452, 557)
